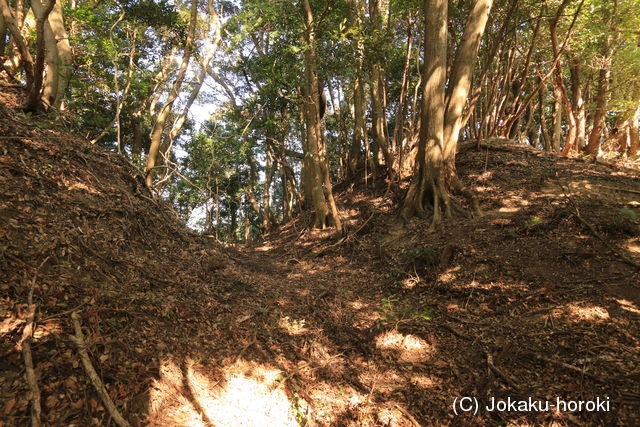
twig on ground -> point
(78, 339)
(27, 333)
(605, 241)
(566, 366)
(506, 377)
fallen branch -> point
(78, 339)
(566, 366)
(506, 377)
(27, 334)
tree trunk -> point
(602, 101)
(558, 85)
(557, 120)
(427, 190)
(165, 111)
(398, 132)
(58, 54)
(315, 159)
(602, 95)
(458, 90)
(12, 25)
(578, 102)
(377, 90)
(34, 103)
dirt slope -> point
(385, 327)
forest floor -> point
(537, 298)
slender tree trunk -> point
(377, 90)
(602, 101)
(578, 102)
(165, 111)
(557, 120)
(14, 29)
(398, 132)
(558, 85)
(634, 137)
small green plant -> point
(396, 273)
(510, 234)
(392, 314)
(533, 221)
(423, 257)
(623, 222)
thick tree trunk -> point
(427, 191)
(458, 90)
(602, 101)
(315, 159)
(34, 103)
(58, 54)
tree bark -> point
(458, 91)
(14, 29)
(315, 158)
(578, 102)
(161, 120)
(559, 88)
(34, 103)
(602, 100)
(427, 190)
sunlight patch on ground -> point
(581, 313)
(76, 185)
(248, 395)
(293, 326)
(449, 275)
(628, 306)
(409, 348)
(424, 381)
(633, 246)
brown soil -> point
(385, 327)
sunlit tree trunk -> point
(12, 25)
(34, 103)
(458, 90)
(578, 102)
(602, 101)
(315, 158)
(427, 191)
(163, 116)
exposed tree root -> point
(27, 333)
(78, 340)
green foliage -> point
(392, 313)
(423, 257)
(622, 222)
(533, 221)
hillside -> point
(539, 297)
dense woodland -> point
(319, 212)
(294, 98)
